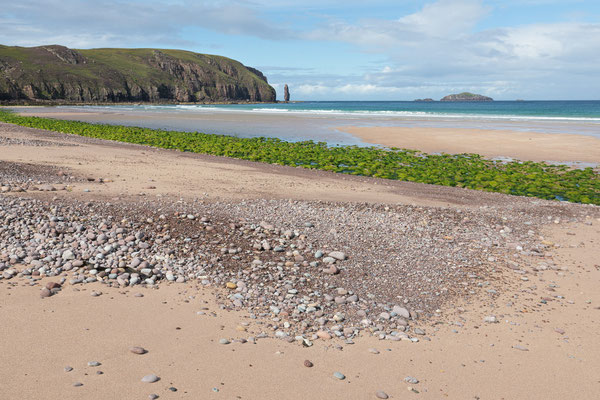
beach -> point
(499, 291)
(531, 146)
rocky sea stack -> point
(466, 96)
(55, 74)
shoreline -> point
(524, 146)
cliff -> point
(465, 96)
(59, 74)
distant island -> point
(466, 96)
(424, 100)
(57, 74)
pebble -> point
(380, 394)
(45, 293)
(339, 375)
(224, 341)
(519, 347)
(150, 378)
(323, 335)
(338, 255)
(137, 350)
(153, 396)
(68, 368)
(77, 384)
(411, 379)
(373, 351)
(93, 364)
(308, 364)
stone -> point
(231, 285)
(323, 335)
(491, 319)
(224, 341)
(401, 312)
(308, 364)
(333, 270)
(519, 347)
(77, 384)
(150, 378)
(419, 331)
(411, 380)
(339, 375)
(373, 351)
(338, 255)
(94, 364)
(381, 395)
(68, 368)
(52, 285)
(138, 350)
(45, 293)
(286, 93)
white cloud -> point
(445, 17)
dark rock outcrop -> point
(427, 100)
(466, 96)
(59, 74)
(286, 93)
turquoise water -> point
(519, 110)
(324, 121)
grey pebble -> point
(224, 341)
(68, 368)
(150, 378)
(77, 384)
(380, 394)
(93, 364)
(339, 375)
(411, 379)
(153, 396)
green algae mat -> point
(521, 178)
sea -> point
(323, 121)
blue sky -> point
(349, 50)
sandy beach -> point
(210, 264)
(532, 146)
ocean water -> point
(325, 120)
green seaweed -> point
(534, 179)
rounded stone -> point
(138, 350)
(381, 395)
(308, 364)
(150, 378)
(339, 375)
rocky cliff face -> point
(56, 73)
(465, 96)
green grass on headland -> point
(471, 171)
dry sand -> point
(465, 359)
(533, 146)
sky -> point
(351, 49)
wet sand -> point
(530, 146)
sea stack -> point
(286, 93)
